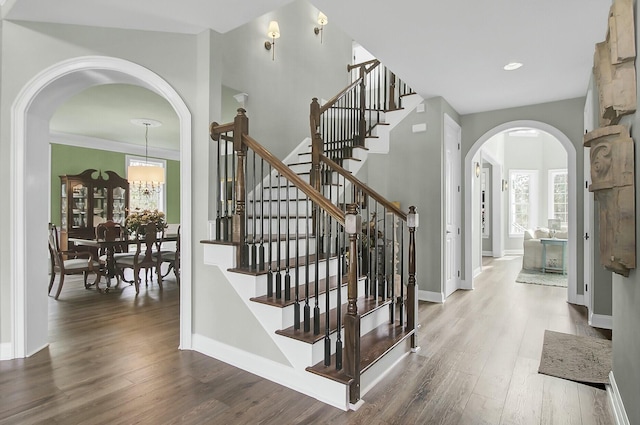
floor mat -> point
(581, 359)
(539, 278)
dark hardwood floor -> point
(113, 359)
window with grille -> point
(559, 195)
(522, 201)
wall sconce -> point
(505, 185)
(273, 32)
(478, 169)
(322, 21)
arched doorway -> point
(30, 115)
(572, 294)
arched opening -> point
(30, 115)
(572, 295)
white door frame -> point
(496, 204)
(31, 112)
(572, 292)
(453, 128)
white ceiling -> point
(454, 48)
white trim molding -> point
(600, 321)
(432, 297)
(615, 401)
(31, 111)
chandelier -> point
(146, 178)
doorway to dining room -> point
(31, 113)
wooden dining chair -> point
(172, 258)
(144, 257)
(111, 231)
(70, 262)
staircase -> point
(317, 258)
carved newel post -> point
(353, 226)
(240, 127)
(612, 182)
(412, 299)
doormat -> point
(582, 359)
(539, 278)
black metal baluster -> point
(401, 268)
(218, 197)
(225, 185)
(254, 247)
(261, 260)
(316, 308)
(279, 258)
(296, 305)
(270, 247)
(373, 229)
(327, 298)
(287, 277)
(307, 307)
(340, 250)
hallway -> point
(113, 358)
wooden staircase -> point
(330, 292)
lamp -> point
(478, 169)
(505, 185)
(273, 32)
(145, 177)
(322, 21)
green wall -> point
(74, 160)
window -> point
(522, 200)
(137, 198)
(559, 195)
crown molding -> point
(80, 141)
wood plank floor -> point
(113, 359)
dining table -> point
(110, 246)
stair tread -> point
(281, 302)
(373, 346)
(274, 238)
(282, 266)
(366, 305)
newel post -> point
(240, 127)
(392, 92)
(412, 299)
(353, 227)
(362, 126)
(317, 147)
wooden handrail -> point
(335, 98)
(364, 188)
(216, 129)
(358, 65)
(285, 171)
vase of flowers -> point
(138, 219)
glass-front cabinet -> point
(88, 199)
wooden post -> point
(240, 127)
(392, 92)
(352, 318)
(362, 127)
(411, 285)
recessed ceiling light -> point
(512, 66)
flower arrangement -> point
(138, 219)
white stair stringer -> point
(299, 354)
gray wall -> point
(565, 115)
(416, 159)
(626, 302)
(280, 90)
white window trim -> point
(156, 161)
(552, 173)
(533, 200)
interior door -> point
(452, 249)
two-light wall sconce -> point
(322, 21)
(273, 32)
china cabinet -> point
(88, 199)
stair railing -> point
(278, 223)
(347, 119)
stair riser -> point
(301, 168)
(294, 193)
(291, 226)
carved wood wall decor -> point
(614, 67)
(612, 182)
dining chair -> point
(111, 231)
(76, 262)
(172, 258)
(144, 257)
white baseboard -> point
(514, 252)
(600, 321)
(615, 401)
(487, 253)
(6, 351)
(432, 297)
(325, 390)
